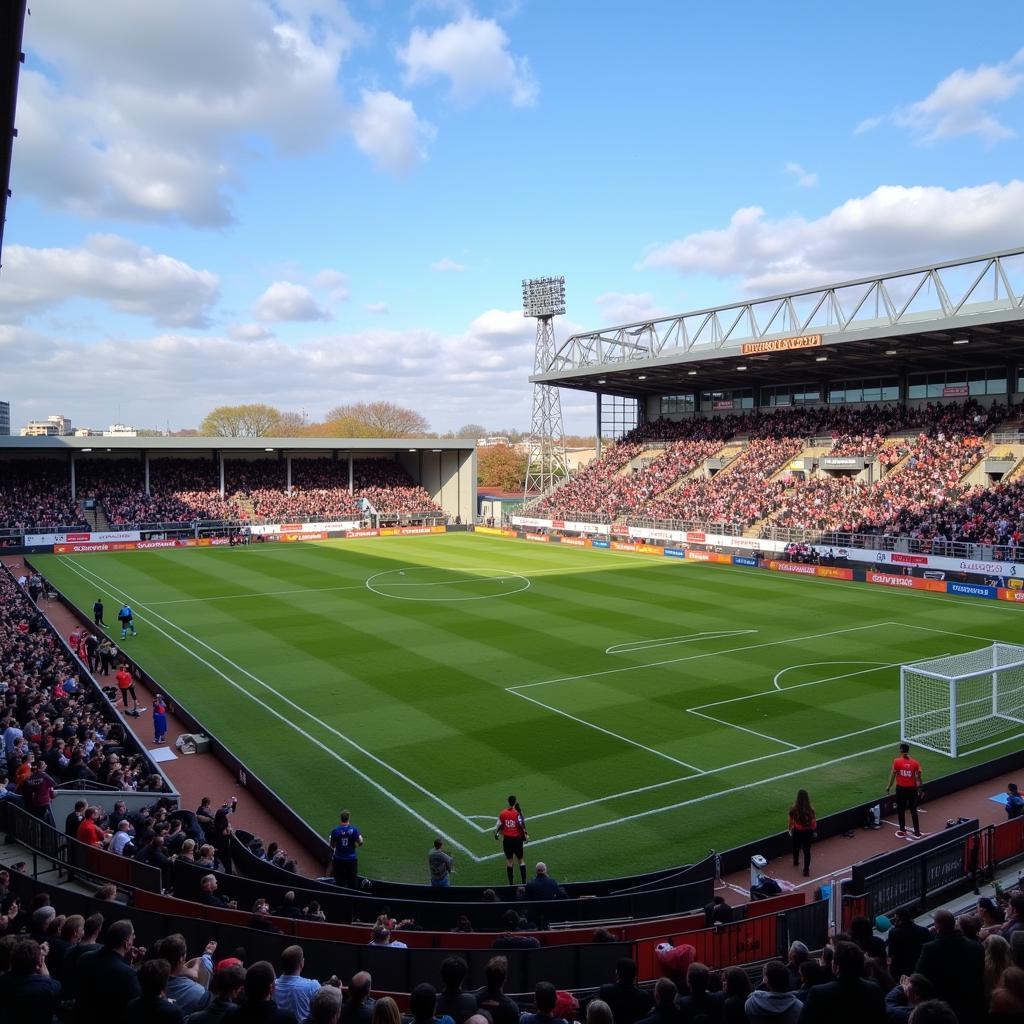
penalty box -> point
(777, 695)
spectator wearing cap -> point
(226, 987)
(292, 991)
(956, 967)
(1014, 801)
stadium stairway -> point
(97, 519)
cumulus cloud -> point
(155, 110)
(249, 332)
(803, 177)
(890, 228)
(476, 373)
(334, 282)
(627, 307)
(387, 129)
(960, 104)
(287, 301)
(109, 269)
(448, 266)
(473, 54)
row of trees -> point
(359, 419)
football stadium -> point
(723, 725)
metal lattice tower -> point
(547, 466)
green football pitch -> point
(644, 710)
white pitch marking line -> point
(667, 641)
(111, 588)
(817, 664)
(694, 800)
(608, 732)
(693, 657)
(743, 728)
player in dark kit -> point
(511, 829)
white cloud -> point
(627, 307)
(476, 373)
(111, 270)
(448, 266)
(287, 301)
(473, 54)
(888, 229)
(249, 332)
(803, 177)
(154, 111)
(960, 104)
(377, 308)
(386, 128)
(334, 282)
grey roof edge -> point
(239, 444)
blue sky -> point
(308, 203)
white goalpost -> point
(953, 704)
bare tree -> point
(374, 419)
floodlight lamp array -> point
(543, 296)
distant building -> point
(120, 430)
(87, 432)
(5, 419)
(488, 442)
(52, 426)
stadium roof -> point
(235, 444)
(12, 25)
(963, 313)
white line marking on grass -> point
(743, 728)
(112, 590)
(816, 664)
(511, 577)
(608, 732)
(668, 641)
(268, 593)
(694, 800)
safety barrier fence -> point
(919, 881)
(52, 849)
(575, 966)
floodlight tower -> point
(547, 466)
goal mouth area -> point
(961, 703)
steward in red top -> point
(906, 774)
(511, 829)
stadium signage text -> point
(750, 348)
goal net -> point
(954, 704)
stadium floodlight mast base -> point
(954, 702)
(547, 466)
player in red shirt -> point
(126, 684)
(511, 829)
(906, 773)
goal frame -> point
(953, 682)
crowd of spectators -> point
(966, 970)
(53, 729)
(390, 489)
(35, 493)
